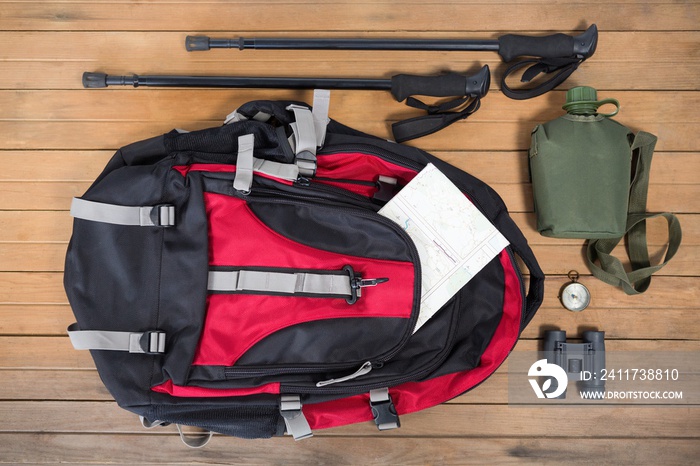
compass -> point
(574, 296)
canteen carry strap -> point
(609, 269)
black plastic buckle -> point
(306, 161)
(163, 215)
(152, 342)
(384, 414)
(386, 189)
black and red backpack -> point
(235, 279)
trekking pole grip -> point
(446, 85)
(511, 46)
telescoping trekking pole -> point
(558, 53)
(467, 90)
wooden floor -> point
(55, 137)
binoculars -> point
(582, 362)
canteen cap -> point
(583, 100)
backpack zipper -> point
(424, 372)
(369, 149)
(365, 369)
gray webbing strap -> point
(244, 163)
(194, 439)
(309, 131)
(247, 165)
(235, 117)
(297, 425)
(304, 139)
(321, 106)
(279, 282)
(191, 439)
(383, 409)
(134, 342)
(284, 171)
(145, 216)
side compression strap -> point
(294, 419)
(280, 282)
(152, 342)
(383, 409)
(144, 216)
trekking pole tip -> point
(197, 43)
(94, 80)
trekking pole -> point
(467, 90)
(556, 52)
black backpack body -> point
(241, 301)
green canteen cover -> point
(581, 168)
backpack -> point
(239, 279)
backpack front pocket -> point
(300, 287)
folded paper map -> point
(454, 240)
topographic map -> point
(454, 240)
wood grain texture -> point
(55, 139)
(374, 450)
(58, 64)
(339, 16)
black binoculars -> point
(582, 362)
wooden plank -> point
(67, 74)
(490, 166)
(371, 450)
(657, 231)
(66, 165)
(32, 288)
(518, 197)
(56, 226)
(35, 226)
(632, 323)
(473, 133)
(346, 16)
(57, 352)
(618, 323)
(36, 288)
(553, 259)
(440, 421)
(85, 385)
(106, 119)
(146, 47)
(138, 106)
(38, 319)
(73, 385)
(63, 56)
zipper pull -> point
(365, 369)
